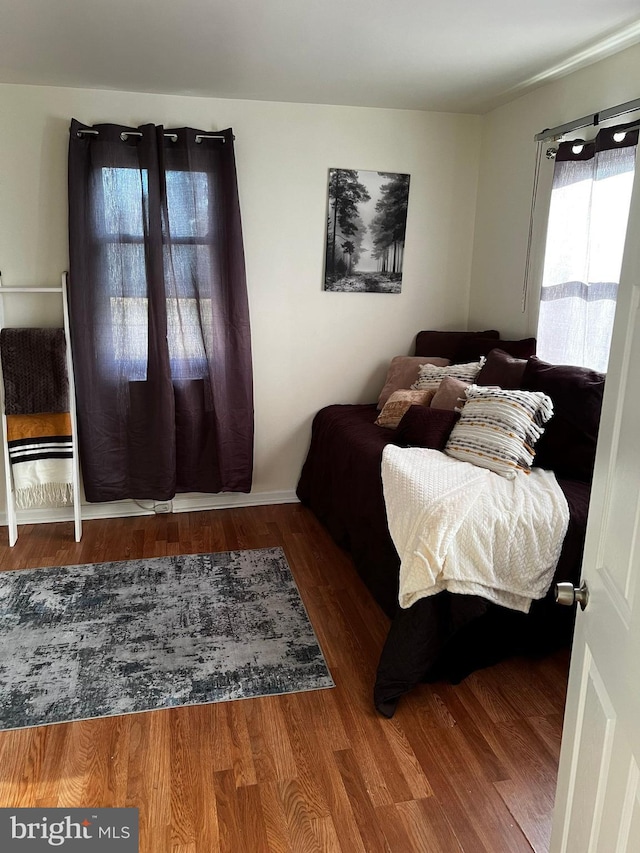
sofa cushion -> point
(430, 376)
(446, 344)
(398, 403)
(502, 369)
(403, 372)
(425, 427)
(568, 445)
(469, 350)
(498, 429)
(450, 394)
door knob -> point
(567, 593)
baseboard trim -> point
(181, 503)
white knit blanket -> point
(468, 530)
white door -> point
(598, 796)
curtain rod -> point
(588, 121)
(172, 136)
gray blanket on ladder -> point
(34, 371)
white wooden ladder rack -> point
(12, 520)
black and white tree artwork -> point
(366, 224)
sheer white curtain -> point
(588, 215)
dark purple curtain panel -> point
(159, 313)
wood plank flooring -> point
(469, 768)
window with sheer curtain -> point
(118, 210)
(588, 214)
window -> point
(588, 214)
(119, 230)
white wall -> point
(310, 348)
(506, 182)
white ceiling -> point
(452, 55)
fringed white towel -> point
(465, 529)
(41, 454)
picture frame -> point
(366, 226)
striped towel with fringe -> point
(40, 452)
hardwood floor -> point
(466, 768)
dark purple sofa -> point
(448, 636)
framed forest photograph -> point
(366, 224)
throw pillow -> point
(425, 427)
(498, 429)
(502, 369)
(446, 344)
(397, 405)
(450, 394)
(430, 376)
(568, 446)
(403, 372)
(469, 350)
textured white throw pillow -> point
(498, 429)
(430, 376)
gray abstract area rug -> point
(79, 642)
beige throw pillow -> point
(403, 372)
(398, 403)
(450, 394)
